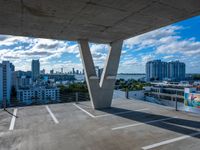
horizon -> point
(179, 41)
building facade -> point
(159, 70)
(21, 79)
(5, 82)
(38, 95)
(35, 68)
(176, 71)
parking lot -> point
(128, 125)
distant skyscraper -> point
(77, 71)
(61, 70)
(73, 71)
(35, 69)
(52, 71)
(5, 82)
(42, 71)
(98, 71)
(158, 70)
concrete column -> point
(101, 93)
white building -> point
(5, 82)
(38, 95)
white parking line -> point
(91, 115)
(12, 123)
(137, 124)
(124, 112)
(98, 116)
(170, 141)
(52, 115)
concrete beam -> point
(99, 21)
(101, 93)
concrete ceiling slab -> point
(101, 21)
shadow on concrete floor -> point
(178, 125)
(10, 113)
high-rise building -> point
(35, 69)
(158, 70)
(99, 71)
(73, 71)
(77, 71)
(176, 70)
(5, 82)
(83, 72)
(52, 71)
(42, 71)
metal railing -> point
(62, 98)
(176, 99)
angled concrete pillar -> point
(101, 93)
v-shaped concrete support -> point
(101, 93)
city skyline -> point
(180, 41)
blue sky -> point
(180, 41)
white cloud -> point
(186, 47)
(165, 43)
(168, 57)
(146, 58)
(151, 39)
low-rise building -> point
(38, 95)
(166, 91)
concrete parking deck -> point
(128, 125)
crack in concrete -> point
(105, 6)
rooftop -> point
(128, 125)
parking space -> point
(182, 142)
(118, 108)
(162, 124)
(5, 119)
(127, 125)
(34, 117)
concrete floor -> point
(128, 125)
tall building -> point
(154, 70)
(77, 71)
(35, 68)
(176, 70)
(99, 71)
(83, 72)
(42, 71)
(159, 70)
(52, 71)
(73, 71)
(5, 82)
